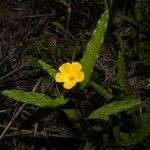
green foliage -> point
(51, 71)
(96, 128)
(115, 107)
(64, 2)
(58, 25)
(138, 11)
(88, 146)
(72, 114)
(103, 92)
(121, 41)
(93, 47)
(121, 70)
(139, 134)
(116, 132)
(126, 18)
(33, 98)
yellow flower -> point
(70, 74)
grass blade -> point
(121, 70)
(103, 92)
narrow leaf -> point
(38, 99)
(126, 18)
(142, 133)
(48, 68)
(125, 137)
(88, 146)
(72, 113)
(115, 107)
(93, 48)
(139, 134)
(64, 2)
(103, 92)
(58, 25)
(120, 40)
(121, 70)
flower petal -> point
(60, 77)
(79, 76)
(65, 68)
(69, 84)
(76, 67)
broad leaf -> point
(121, 70)
(48, 68)
(93, 48)
(115, 107)
(38, 99)
(103, 92)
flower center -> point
(71, 78)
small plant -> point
(71, 73)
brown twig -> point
(18, 112)
(41, 134)
(38, 15)
(12, 72)
(15, 129)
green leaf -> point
(96, 128)
(121, 70)
(103, 92)
(58, 25)
(88, 146)
(126, 18)
(72, 114)
(116, 132)
(33, 98)
(142, 133)
(48, 68)
(126, 138)
(115, 107)
(120, 40)
(139, 134)
(64, 2)
(93, 48)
